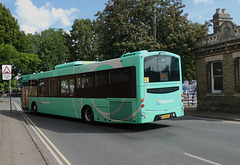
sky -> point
(38, 15)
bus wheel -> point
(34, 108)
(87, 115)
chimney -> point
(219, 17)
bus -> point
(138, 87)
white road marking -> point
(202, 159)
(36, 130)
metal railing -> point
(190, 98)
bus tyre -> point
(87, 115)
(34, 108)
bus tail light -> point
(142, 105)
(142, 100)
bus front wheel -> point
(34, 108)
(87, 115)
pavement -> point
(18, 148)
(16, 145)
(192, 111)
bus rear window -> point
(161, 68)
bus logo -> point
(164, 101)
(44, 102)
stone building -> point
(218, 66)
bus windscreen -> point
(161, 68)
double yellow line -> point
(44, 138)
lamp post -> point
(154, 21)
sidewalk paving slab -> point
(16, 145)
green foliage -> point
(82, 43)
(22, 63)
(51, 47)
(13, 48)
(126, 26)
(10, 31)
(123, 26)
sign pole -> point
(10, 91)
(7, 75)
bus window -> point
(67, 86)
(43, 87)
(33, 88)
(54, 87)
(160, 68)
(119, 76)
(101, 78)
(25, 94)
(87, 80)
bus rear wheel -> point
(87, 115)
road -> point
(187, 140)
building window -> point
(216, 77)
(238, 75)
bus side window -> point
(67, 86)
(33, 88)
(54, 89)
(101, 78)
(120, 76)
(87, 80)
(78, 82)
(71, 86)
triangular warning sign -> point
(6, 70)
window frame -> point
(108, 89)
(216, 76)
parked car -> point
(16, 93)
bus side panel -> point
(99, 107)
(70, 107)
(56, 106)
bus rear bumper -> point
(164, 116)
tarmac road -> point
(188, 140)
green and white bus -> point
(138, 87)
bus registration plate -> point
(166, 116)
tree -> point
(22, 63)
(82, 42)
(178, 34)
(128, 25)
(125, 27)
(13, 47)
(51, 47)
(10, 31)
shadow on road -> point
(70, 125)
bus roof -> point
(64, 69)
(72, 64)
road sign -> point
(6, 72)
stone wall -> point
(222, 46)
(229, 99)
